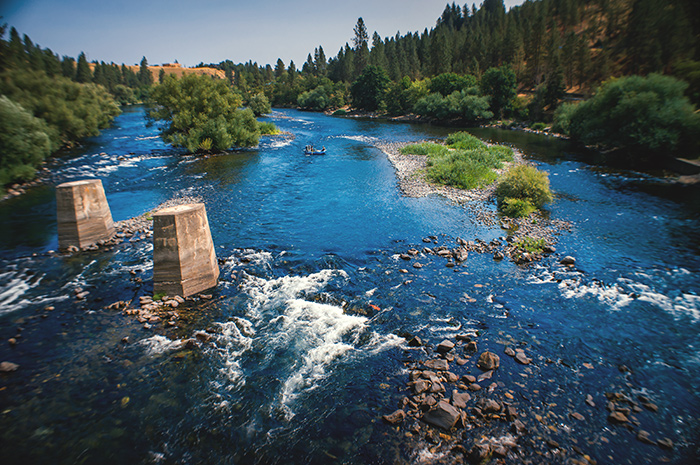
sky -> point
(211, 31)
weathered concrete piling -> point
(184, 261)
(83, 214)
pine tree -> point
(279, 68)
(320, 62)
(145, 75)
(361, 47)
(83, 73)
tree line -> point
(46, 103)
(479, 64)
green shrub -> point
(524, 182)
(72, 111)
(462, 105)
(539, 126)
(645, 114)
(268, 128)
(424, 148)
(24, 142)
(457, 169)
(340, 112)
(259, 104)
(562, 118)
(530, 244)
(501, 152)
(463, 140)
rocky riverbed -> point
(463, 402)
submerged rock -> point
(395, 418)
(488, 361)
(7, 367)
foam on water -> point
(15, 281)
(289, 328)
(234, 339)
(641, 287)
(160, 344)
(359, 138)
(323, 329)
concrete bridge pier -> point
(184, 260)
(83, 214)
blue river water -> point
(309, 319)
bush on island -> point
(259, 104)
(197, 108)
(526, 184)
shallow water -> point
(300, 367)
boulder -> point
(488, 361)
(445, 346)
(437, 365)
(568, 261)
(443, 415)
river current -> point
(310, 318)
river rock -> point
(643, 436)
(665, 443)
(395, 418)
(479, 453)
(488, 361)
(469, 379)
(415, 341)
(568, 261)
(445, 346)
(7, 367)
(460, 399)
(417, 266)
(437, 364)
(404, 256)
(460, 254)
(421, 386)
(489, 406)
(520, 357)
(471, 347)
(443, 415)
(510, 352)
(617, 417)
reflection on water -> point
(298, 353)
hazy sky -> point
(210, 31)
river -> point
(308, 321)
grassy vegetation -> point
(529, 244)
(522, 190)
(268, 128)
(465, 162)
